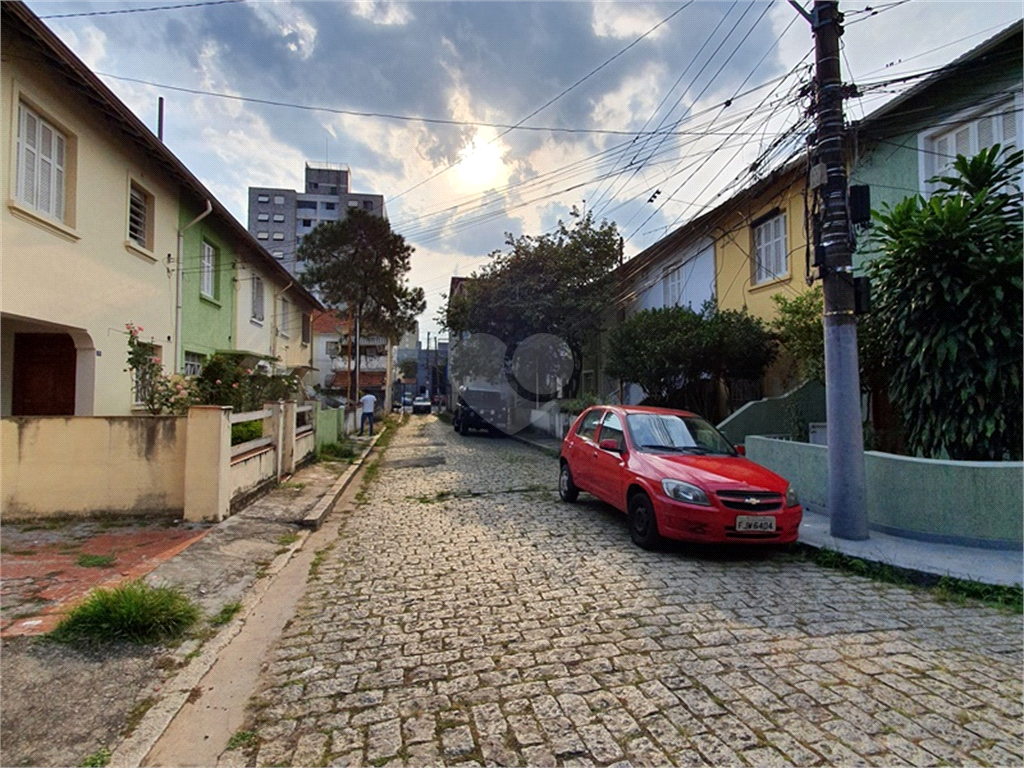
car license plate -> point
(751, 523)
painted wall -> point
(251, 334)
(208, 322)
(775, 415)
(972, 503)
(890, 160)
(82, 276)
(734, 250)
(71, 465)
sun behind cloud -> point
(480, 164)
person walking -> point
(369, 403)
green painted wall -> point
(974, 503)
(885, 155)
(777, 415)
(207, 324)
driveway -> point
(466, 616)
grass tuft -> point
(96, 561)
(945, 588)
(242, 740)
(226, 614)
(134, 611)
(97, 759)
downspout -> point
(177, 301)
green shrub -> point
(245, 431)
(96, 561)
(133, 611)
(342, 451)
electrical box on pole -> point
(833, 250)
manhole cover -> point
(421, 461)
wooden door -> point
(44, 375)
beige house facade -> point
(88, 222)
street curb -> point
(533, 444)
(133, 750)
(316, 516)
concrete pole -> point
(846, 479)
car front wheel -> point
(643, 526)
(567, 489)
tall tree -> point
(359, 264)
(557, 283)
(948, 305)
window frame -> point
(969, 118)
(282, 323)
(307, 328)
(587, 429)
(209, 258)
(763, 273)
(148, 200)
(42, 110)
(186, 363)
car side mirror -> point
(610, 445)
(741, 450)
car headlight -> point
(680, 491)
(791, 498)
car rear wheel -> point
(643, 526)
(567, 489)
(463, 427)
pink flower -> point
(235, 385)
(217, 382)
(140, 329)
(249, 371)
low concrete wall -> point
(84, 465)
(775, 415)
(332, 424)
(970, 503)
(305, 444)
(248, 472)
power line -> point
(141, 10)
(552, 101)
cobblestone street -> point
(466, 616)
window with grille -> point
(770, 252)
(41, 165)
(140, 217)
(997, 125)
(673, 286)
(257, 299)
(194, 363)
(208, 271)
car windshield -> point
(672, 433)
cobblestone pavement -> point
(466, 616)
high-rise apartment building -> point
(279, 218)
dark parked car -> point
(479, 408)
(676, 476)
(421, 405)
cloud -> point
(89, 44)
(290, 22)
(626, 21)
(383, 12)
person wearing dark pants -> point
(369, 402)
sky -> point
(479, 119)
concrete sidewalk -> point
(987, 566)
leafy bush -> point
(133, 611)
(949, 307)
(342, 451)
(245, 431)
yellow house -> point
(760, 251)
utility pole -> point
(847, 504)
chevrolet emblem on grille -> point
(752, 501)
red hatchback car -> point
(675, 476)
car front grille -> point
(750, 501)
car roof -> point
(626, 410)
